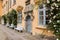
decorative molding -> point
(38, 2)
(1, 0)
(29, 8)
(19, 8)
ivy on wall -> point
(5, 19)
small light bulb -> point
(54, 25)
(54, 16)
(58, 21)
(53, 0)
(52, 7)
(58, 0)
(48, 1)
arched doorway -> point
(28, 24)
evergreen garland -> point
(54, 16)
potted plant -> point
(4, 19)
(12, 18)
(9, 18)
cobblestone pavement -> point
(10, 34)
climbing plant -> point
(4, 19)
(12, 17)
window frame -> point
(14, 2)
(44, 15)
(19, 17)
(9, 3)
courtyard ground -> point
(10, 34)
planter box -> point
(12, 26)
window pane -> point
(41, 20)
(41, 13)
(9, 3)
(19, 17)
(41, 6)
(14, 2)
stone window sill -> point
(43, 28)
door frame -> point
(26, 24)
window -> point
(41, 17)
(7, 6)
(43, 20)
(41, 6)
(14, 2)
(9, 2)
(19, 17)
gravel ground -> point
(7, 33)
(2, 35)
(10, 34)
